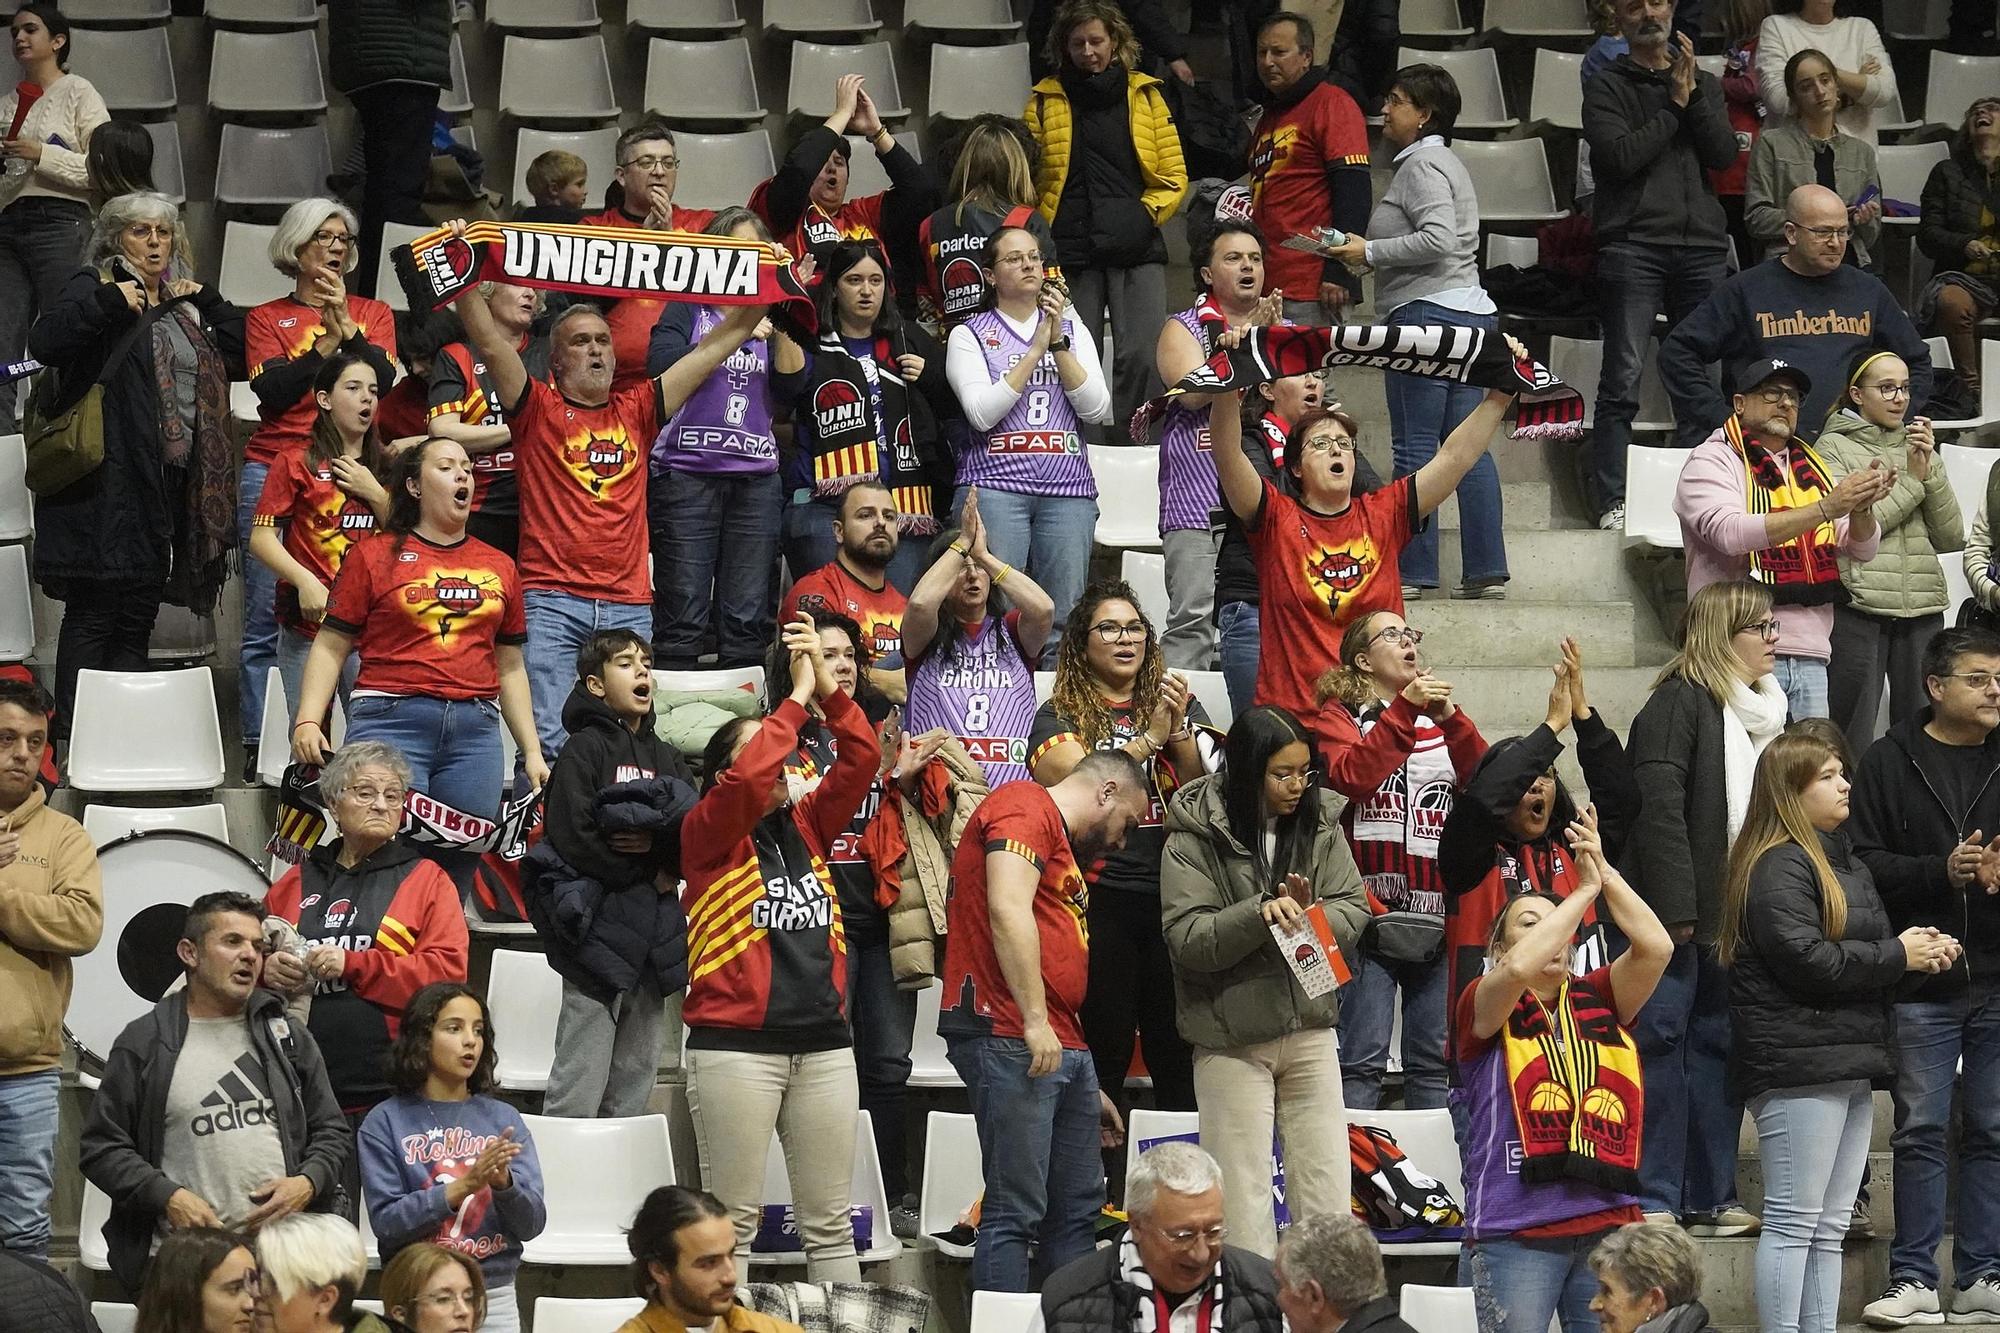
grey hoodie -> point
(1651, 159)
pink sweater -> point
(1719, 533)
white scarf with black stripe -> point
(1153, 1314)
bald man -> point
(1804, 307)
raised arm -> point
(680, 379)
(1242, 484)
(503, 359)
(1503, 985)
(1460, 450)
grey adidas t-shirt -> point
(222, 1129)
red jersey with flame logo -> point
(1294, 148)
(321, 522)
(285, 330)
(855, 220)
(582, 473)
(632, 319)
(425, 618)
(1318, 572)
(879, 611)
(1020, 818)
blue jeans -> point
(1368, 1018)
(260, 608)
(28, 1122)
(293, 649)
(1422, 411)
(452, 745)
(1635, 284)
(1049, 537)
(1803, 679)
(715, 539)
(1689, 1159)
(1813, 1143)
(1931, 1038)
(1236, 630)
(559, 624)
(1519, 1285)
(883, 1017)
(1038, 1138)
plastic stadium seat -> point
(1004, 1311)
(866, 1190)
(589, 1207)
(865, 173)
(388, 289)
(1989, 390)
(1967, 468)
(1905, 168)
(1426, 1138)
(243, 402)
(114, 1316)
(1537, 18)
(1128, 494)
(1892, 119)
(1651, 478)
(1146, 572)
(272, 166)
(555, 1314)
(1143, 1126)
(702, 81)
(1557, 97)
(108, 823)
(526, 995)
(542, 15)
(960, 16)
(89, 12)
(1212, 692)
(821, 16)
(683, 16)
(1511, 178)
(1045, 686)
(132, 68)
(556, 78)
(180, 638)
(266, 73)
(1519, 251)
(17, 506)
(722, 169)
(750, 679)
(969, 80)
(598, 149)
(953, 1178)
(274, 737)
(1955, 82)
(17, 605)
(816, 66)
(457, 99)
(169, 175)
(930, 1067)
(145, 731)
(90, 1246)
(1916, 20)
(1433, 21)
(1436, 1309)
(262, 13)
(1940, 349)
(1477, 73)
(1712, 64)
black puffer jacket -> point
(383, 41)
(1805, 1009)
(1954, 193)
(1088, 1295)
(1678, 852)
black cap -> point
(1749, 374)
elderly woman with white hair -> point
(310, 1268)
(287, 341)
(1648, 1276)
(151, 522)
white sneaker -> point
(1906, 1302)
(1612, 519)
(1978, 1303)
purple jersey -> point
(1188, 489)
(1037, 448)
(725, 425)
(984, 695)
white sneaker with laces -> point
(1978, 1303)
(1612, 519)
(1906, 1302)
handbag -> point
(66, 445)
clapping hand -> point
(1290, 902)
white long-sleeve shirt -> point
(987, 399)
(1847, 42)
(63, 118)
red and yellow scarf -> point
(1579, 1099)
(1802, 571)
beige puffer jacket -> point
(917, 921)
(1920, 520)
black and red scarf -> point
(1803, 571)
(1578, 1092)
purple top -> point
(1036, 449)
(984, 695)
(725, 425)
(1189, 492)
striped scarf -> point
(1153, 1312)
(1802, 571)
(1579, 1097)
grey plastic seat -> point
(597, 147)
(457, 99)
(865, 172)
(702, 81)
(169, 175)
(683, 16)
(1477, 73)
(1537, 18)
(85, 13)
(718, 170)
(388, 290)
(1955, 82)
(815, 67)
(1557, 95)
(1432, 21)
(266, 73)
(960, 16)
(821, 16)
(132, 68)
(272, 166)
(967, 81)
(262, 13)
(556, 78)
(542, 15)
(247, 277)
(1511, 180)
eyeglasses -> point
(1826, 233)
(1766, 629)
(1892, 390)
(653, 163)
(1302, 779)
(1329, 444)
(1405, 635)
(1113, 633)
(392, 796)
(150, 231)
(1980, 681)
(327, 240)
(1207, 1238)
(1781, 397)
(445, 1300)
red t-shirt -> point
(425, 618)
(285, 330)
(632, 319)
(1319, 572)
(321, 522)
(878, 612)
(1289, 159)
(404, 410)
(582, 475)
(1020, 818)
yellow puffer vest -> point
(1153, 135)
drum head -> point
(149, 880)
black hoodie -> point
(1651, 158)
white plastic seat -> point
(388, 288)
(247, 276)
(274, 737)
(598, 148)
(180, 638)
(1146, 1127)
(262, 13)
(1651, 478)
(1892, 119)
(1954, 83)
(1940, 350)
(1438, 1309)
(557, 1314)
(930, 1067)
(1004, 1311)
(243, 402)
(1045, 686)
(457, 99)
(722, 169)
(1128, 494)
(132, 68)
(1511, 178)
(953, 1178)
(272, 166)
(108, 823)
(90, 1247)
(853, 17)
(702, 81)
(683, 16)
(1905, 168)
(114, 1316)
(526, 995)
(590, 1206)
(1477, 73)
(145, 731)
(1426, 1138)
(749, 679)
(1557, 96)
(958, 16)
(865, 173)
(17, 606)
(1537, 18)
(1146, 571)
(266, 73)
(1433, 20)
(866, 1189)
(86, 13)
(169, 173)
(17, 504)
(542, 15)
(1209, 688)
(556, 78)
(815, 67)
(1520, 251)
(967, 81)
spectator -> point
(1329, 1276)
(153, 1139)
(1806, 308)
(392, 58)
(1755, 501)
(118, 161)
(1230, 275)
(1173, 1252)
(1365, 46)
(992, 185)
(1308, 170)
(1741, 21)
(1026, 374)
(142, 527)
(559, 183)
(684, 1267)
(1110, 176)
(463, 404)
(1895, 601)
(1961, 234)
(1543, 1185)
(202, 1280)
(1979, 565)
(1330, 555)
(1425, 252)
(1810, 148)
(1648, 1275)
(402, 415)
(444, 1162)
(768, 1046)
(1812, 964)
(51, 910)
(713, 502)
(968, 653)
(601, 887)
(874, 393)
(1656, 125)
(45, 185)
(1160, 41)
(1249, 851)
(310, 1269)
(316, 505)
(855, 583)
(1862, 69)
(1113, 691)
(431, 1289)
(286, 342)
(1393, 744)
(1928, 859)
(1694, 745)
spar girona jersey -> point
(425, 618)
(1038, 447)
(983, 694)
(1189, 492)
(582, 473)
(321, 522)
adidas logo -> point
(240, 1105)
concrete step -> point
(1729, 1277)
(1881, 1191)
(1538, 460)
(1568, 564)
(1511, 699)
(1522, 631)
(1524, 506)
(1878, 1137)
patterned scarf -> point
(1802, 571)
(1153, 1312)
(201, 460)
(1579, 1099)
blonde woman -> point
(992, 185)
(1812, 963)
(310, 1269)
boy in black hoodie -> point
(602, 885)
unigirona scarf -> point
(837, 426)
(1153, 1314)
(1577, 1091)
(1546, 408)
(1804, 570)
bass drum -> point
(150, 877)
